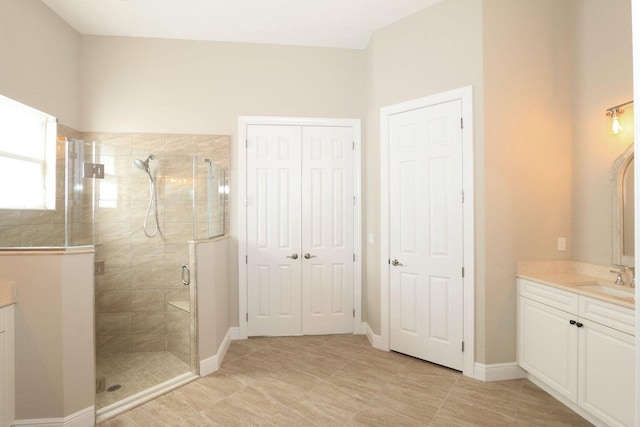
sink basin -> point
(608, 290)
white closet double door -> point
(300, 233)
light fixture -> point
(614, 113)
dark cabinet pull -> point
(579, 325)
(572, 322)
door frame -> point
(465, 95)
(243, 122)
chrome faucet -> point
(620, 275)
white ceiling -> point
(326, 23)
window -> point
(27, 157)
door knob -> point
(396, 263)
(293, 256)
(308, 256)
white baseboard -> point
(360, 329)
(374, 340)
(498, 372)
(83, 418)
(235, 333)
(212, 364)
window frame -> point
(46, 163)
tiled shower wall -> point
(142, 275)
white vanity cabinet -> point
(580, 347)
(7, 369)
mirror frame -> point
(617, 220)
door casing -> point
(465, 94)
(243, 123)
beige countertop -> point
(583, 285)
(7, 293)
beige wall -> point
(527, 118)
(212, 261)
(176, 86)
(603, 78)
(54, 333)
(40, 57)
(432, 51)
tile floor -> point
(135, 372)
(340, 380)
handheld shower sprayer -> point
(144, 165)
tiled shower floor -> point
(135, 372)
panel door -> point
(548, 345)
(607, 373)
(327, 230)
(426, 235)
(273, 230)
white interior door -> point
(273, 230)
(299, 202)
(327, 224)
(426, 233)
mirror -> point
(622, 209)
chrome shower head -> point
(143, 164)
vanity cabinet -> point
(7, 369)
(580, 347)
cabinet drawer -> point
(607, 314)
(553, 297)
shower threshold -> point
(144, 396)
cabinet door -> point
(548, 346)
(607, 373)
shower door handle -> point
(186, 275)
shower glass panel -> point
(211, 199)
(72, 222)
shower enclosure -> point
(140, 200)
(159, 192)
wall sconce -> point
(614, 113)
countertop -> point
(7, 294)
(578, 283)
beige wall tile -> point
(114, 278)
(114, 344)
(151, 323)
(147, 301)
(147, 278)
(181, 144)
(120, 211)
(114, 144)
(143, 144)
(113, 301)
(117, 255)
(114, 233)
(113, 323)
(147, 256)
